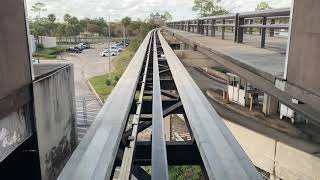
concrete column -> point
(270, 104)
(247, 101)
(167, 128)
(182, 46)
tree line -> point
(211, 7)
(72, 26)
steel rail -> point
(94, 157)
(159, 162)
(269, 26)
(223, 157)
(282, 12)
(126, 165)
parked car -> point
(116, 48)
(84, 45)
(74, 50)
(121, 44)
(106, 53)
(80, 47)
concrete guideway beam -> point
(219, 150)
(258, 81)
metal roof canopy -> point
(221, 154)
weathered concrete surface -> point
(304, 54)
(259, 148)
(14, 129)
(55, 118)
(195, 59)
(15, 77)
(291, 163)
(277, 158)
(14, 52)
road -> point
(86, 65)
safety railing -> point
(238, 24)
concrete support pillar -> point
(182, 46)
(167, 128)
(247, 100)
(270, 104)
(273, 21)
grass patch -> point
(181, 172)
(100, 86)
(219, 69)
(48, 53)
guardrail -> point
(239, 24)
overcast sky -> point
(117, 9)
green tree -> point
(66, 17)
(52, 18)
(263, 5)
(93, 28)
(167, 16)
(198, 5)
(38, 8)
(212, 9)
(208, 8)
(126, 22)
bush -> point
(40, 46)
(108, 82)
(116, 78)
(49, 53)
(114, 83)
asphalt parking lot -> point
(87, 64)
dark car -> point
(74, 50)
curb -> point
(210, 76)
(94, 92)
(91, 88)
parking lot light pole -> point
(109, 50)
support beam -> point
(178, 153)
(263, 33)
(126, 165)
(159, 162)
(222, 156)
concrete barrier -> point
(293, 163)
(259, 148)
(280, 160)
(48, 42)
(55, 115)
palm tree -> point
(125, 22)
(38, 7)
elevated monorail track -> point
(164, 87)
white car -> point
(106, 53)
(115, 48)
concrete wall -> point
(48, 42)
(277, 158)
(14, 53)
(32, 44)
(14, 130)
(55, 118)
(15, 77)
(304, 54)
